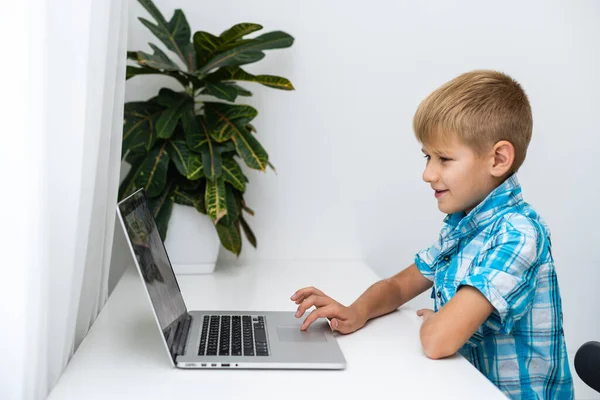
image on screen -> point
(154, 264)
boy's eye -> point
(427, 157)
(444, 159)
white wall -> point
(349, 169)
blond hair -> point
(482, 107)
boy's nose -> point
(430, 174)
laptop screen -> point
(153, 262)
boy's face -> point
(459, 177)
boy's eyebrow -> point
(438, 153)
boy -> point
(495, 288)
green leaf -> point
(195, 167)
(221, 90)
(156, 14)
(169, 98)
(271, 40)
(198, 139)
(216, 205)
(249, 51)
(128, 186)
(186, 197)
(175, 34)
(168, 120)
(238, 31)
(139, 133)
(238, 74)
(273, 167)
(135, 71)
(246, 208)
(132, 71)
(253, 154)
(241, 91)
(233, 211)
(194, 126)
(158, 60)
(231, 57)
(161, 207)
(179, 153)
(193, 198)
(249, 234)
(232, 172)
(226, 120)
(134, 158)
(230, 238)
(153, 175)
(144, 141)
(251, 128)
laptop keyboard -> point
(233, 335)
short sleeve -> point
(425, 259)
(505, 272)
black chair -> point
(587, 364)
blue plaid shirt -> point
(502, 248)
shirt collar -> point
(505, 196)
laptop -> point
(218, 338)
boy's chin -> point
(446, 209)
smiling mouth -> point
(439, 193)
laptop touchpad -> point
(294, 334)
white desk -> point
(122, 356)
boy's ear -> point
(503, 155)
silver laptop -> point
(216, 338)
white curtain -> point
(64, 172)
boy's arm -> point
(388, 294)
(380, 298)
(446, 331)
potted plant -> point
(187, 152)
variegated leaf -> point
(206, 44)
(195, 167)
(238, 74)
(251, 151)
(248, 52)
(233, 211)
(158, 60)
(221, 90)
(211, 159)
(232, 172)
(139, 129)
(168, 119)
(216, 205)
(153, 176)
(238, 31)
(180, 154)
(227, 120)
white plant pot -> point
(192, 242)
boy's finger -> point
(312, 300)
(340, 326)
(316, 314)
(305, 292)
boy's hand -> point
(343, 319)
(425, 313)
